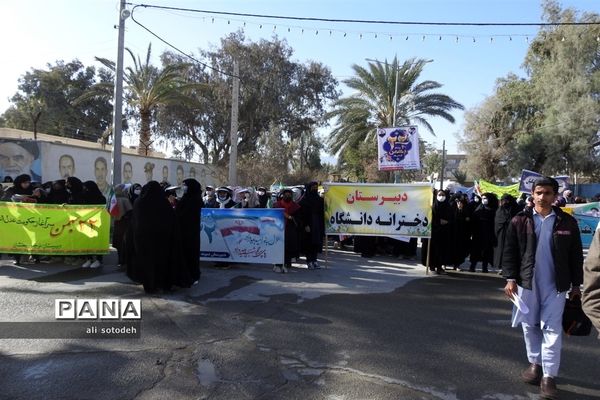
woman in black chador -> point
(188, 218)
(156, 259)
(442, 232)
(483, 237)
(462, 230)
(312, 211)
(507, 210)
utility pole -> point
(443, 165)
(118, 99)
(234, 124)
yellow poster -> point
(50, 229)
(487, 187)
(378, 209)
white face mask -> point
(484, 201)
(185, 189)
(441, 199)
(261, 193)
(209, 192)
(137, 192)
(476, 199)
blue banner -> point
(243, 235)
(587, 216)
(528, 178)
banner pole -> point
(326, 253)
(428, 254)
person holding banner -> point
(291, 228)
(20, 190)
(542, 260)
(93, 196)
(442, 230)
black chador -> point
(157, 260)
(188, 217)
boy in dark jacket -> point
(542, 255)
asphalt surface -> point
(360, 329)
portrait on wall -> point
(193, 172)
(19, 157)
(101, 173)
(149, 171)
(127, 172)
(165, 174)
(66, 166)
(179, 175)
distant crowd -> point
(157, 226)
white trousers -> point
(543, 331)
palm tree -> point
(146, 88)
(372, 105)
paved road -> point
(361, 329)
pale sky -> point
(37, 32)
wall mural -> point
(47, 161)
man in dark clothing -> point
(542, 255)
(312, 211)
(507, 210)
(188, 217)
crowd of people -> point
(156, 227)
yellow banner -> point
(53, 229)
(487, 187)
(378, 209)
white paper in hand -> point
(519, 303)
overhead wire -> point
(176, 48)
(365, 21)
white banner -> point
(244, 235)
(398, 148)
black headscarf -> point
(131, 192)
(76, 190)
(17, 189)
(92, 194)
(157, 259)
(58, 193)
(188, 217)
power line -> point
(176, 48)
(365, 21)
